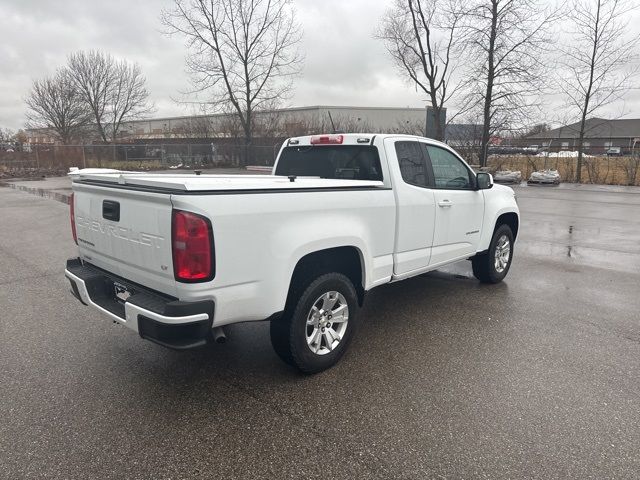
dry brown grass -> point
(600, 170)
(129, 165)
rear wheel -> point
(493, 266)
(318, 324)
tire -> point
(310, 337)
(487, 267)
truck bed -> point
(218, 183)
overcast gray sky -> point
(344, 64)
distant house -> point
(463, 134)
(600, 135)
(41, 136)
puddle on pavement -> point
(569, 247)
(580, 255)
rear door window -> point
(352, 162)
(413, 167)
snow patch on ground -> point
(564, 154)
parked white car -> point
(177, 257)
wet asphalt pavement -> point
(538, 377)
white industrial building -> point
(287, 119)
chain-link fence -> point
(597, 170)
(136, 156)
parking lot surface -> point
(537, 377)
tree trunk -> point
(439, 132)
(437, 116)
(486, 133)
(587, 95)
(580, 147)
(244, 160)
(486, 126)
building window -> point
(565, 145)
(608, 145)
(586, 145)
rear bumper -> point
(159, 318)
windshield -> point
(354, 162)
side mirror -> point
(484, 180)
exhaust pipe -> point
(218, 335)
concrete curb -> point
(41, 192)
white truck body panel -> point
(259, 239)
(264, 225)
(136, 247)
(415, 219)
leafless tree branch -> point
(114, 91)
(242, 53)
(422, 38)
(509, 40)
(55, 104)
(598, 61)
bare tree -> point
(6, 135)
(242, 52)
(343, 123)
(55, 104)
(197, 126)
(296, 125)
(20, 137)
(466, 138)
(115, 91)
(536, 129)
(129, 96)
(408, 127)
(422, 38)
(509, 39)
(599, 60)
(269, 124)
(92, 76)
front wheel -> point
(493, 266)
(317, 328)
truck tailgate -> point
(127, 233)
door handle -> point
(445, 203)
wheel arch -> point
(510, 219)
(505, 216)
(347, 259)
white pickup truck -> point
(177, 257)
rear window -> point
(353, 162)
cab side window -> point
(448, 171)
(412, 163)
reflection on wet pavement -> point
(592, 225)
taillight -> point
(192, 245)
(72, 214)
(327, 139)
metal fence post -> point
(37, 158)
(84, 158)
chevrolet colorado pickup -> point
(177, 257)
